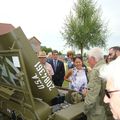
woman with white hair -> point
(111, 73)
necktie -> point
(55, 65)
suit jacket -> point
(58, 76)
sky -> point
(44, 19)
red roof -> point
(34, 39)
(5, 28)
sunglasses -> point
(107, 93)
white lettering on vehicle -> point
(44, 76)
(38, 82)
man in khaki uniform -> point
(93, 103)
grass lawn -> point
(65, 84)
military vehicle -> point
(26, 90)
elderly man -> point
(43, 61)
(93, 103)
(112, 92)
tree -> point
(84, 28)
(47, 50)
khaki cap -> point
(42, 54)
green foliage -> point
(84, 28)
(59, 53)
(47, 50)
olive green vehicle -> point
(26, 90)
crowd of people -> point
(98, 80)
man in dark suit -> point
(58, 67)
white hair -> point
(96, 53)
(112, 72)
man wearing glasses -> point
(112, 92)
(114, 52)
